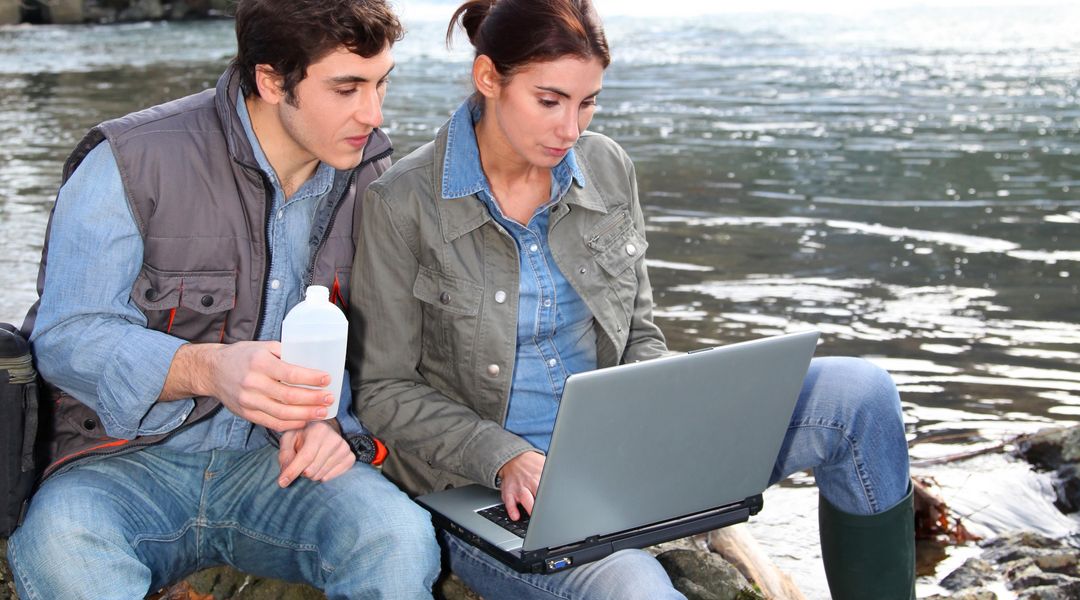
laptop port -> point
(559, 563)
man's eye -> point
(345, 92)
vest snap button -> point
(89, 424)
(151, 294)
(207, 301)
(444, 298)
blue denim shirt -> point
(91, 340)
(555, 333)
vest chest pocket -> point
(450, 309)
(192, 305)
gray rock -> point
(1068, 592)
(10, 12)
(701, 575)
(1056, 450)
(7, 585)
(973, 594)
(452, 588)
(141, 10)
(1050, 448)
(1023, 544)
(974, 573)
(226, 582)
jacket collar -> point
(460, 177)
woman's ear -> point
(269, 84)
(486, 79)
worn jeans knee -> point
(848, 428)
(73, 535)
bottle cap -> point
(317, 293)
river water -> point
(907, 182)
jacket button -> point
(581, 270)
(500, 296)
(631, 249)
(151, 294)
(493, 370)
(207, 300)
(89, 424)
(444, 298)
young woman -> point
(507, 254)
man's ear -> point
(269, 84)
(486, 79)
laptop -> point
(645, 453)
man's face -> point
(333, 110)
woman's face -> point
(542, 110)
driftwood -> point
(737, 546)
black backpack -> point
(21, 447)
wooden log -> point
(737, 546)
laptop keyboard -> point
(497, 515)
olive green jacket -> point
(434, 308)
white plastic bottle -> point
(314, 335)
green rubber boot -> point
(869, 557)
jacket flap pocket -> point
(157, 290)
(208, 292)
(451, 294)
(205, 292)
(616, 244)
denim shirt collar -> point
(318, 185)
(463, 175)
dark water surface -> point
(906, 182)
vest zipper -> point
(268, 189)
(337, 208)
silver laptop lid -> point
(646, 442)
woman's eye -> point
(548, 103)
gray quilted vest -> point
(202, 204)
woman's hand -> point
(520, 477)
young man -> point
(181, 236)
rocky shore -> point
(1022, 565)
(71, 12)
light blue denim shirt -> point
(555, 333)
(91, 340)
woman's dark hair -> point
(516, 33)
(289, 35)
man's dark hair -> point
(289, 35)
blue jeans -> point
(128, 525)
(847, 427)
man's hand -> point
(317, 452)
(520, 477)
(250, 380)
